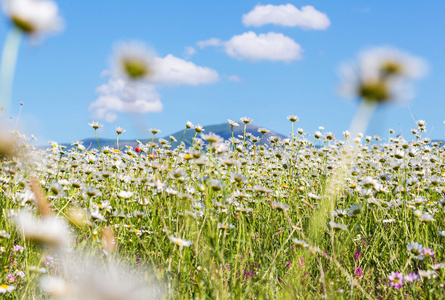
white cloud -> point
(214, 42)
(287, 15)
(121, 96)
(105, 73)
(235, 78)
(189, 51)
(269, 46)
(253, 47)
(117, 95)
(172, 70)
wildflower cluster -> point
(232, 207)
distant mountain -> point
(223, 130)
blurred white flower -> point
(33, 16)
(55, 286)
(133, 61)
(381, 74)
(88, 279)
(125, 194)
(181, 242)
(48, 230)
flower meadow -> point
(209, 221)
(308, 216)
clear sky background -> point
(57, 79)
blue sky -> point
(57, 79)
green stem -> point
(317, 223)
(151, 148)
(362, 116)
(292, 147)
(193, 141)
(233, 140)
(9, 59)
(180, 140)
(95, 132)
(244, 135)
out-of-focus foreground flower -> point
(48, 230)
(381, 74)
(33, 16)
(89, 279)
(133, 61)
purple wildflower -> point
(411, 277)
(10, 278)
(48, 260)
(396, 280)
(427, 252)
(17, 248)
(357, 256)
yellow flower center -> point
(24, 25)
(135, 69)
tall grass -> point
(233, 210)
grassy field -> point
(226, 220)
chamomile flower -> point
(125, 194)
(427, 274)
(4, 288)
(426, 218)
(281, 206)
(4, 234)
(293, 118)
(338, 226)
(134, 61)
(48, 230)
(34, 17)
(225, 226)
(55, 286)
(211, 138)
(416, 250)
(189, 125)
(120, 130)
(263, 130)
(198, 128)
(95, 125)
(232, 123)
(154, 131)
(180, 242)
(437, 266)
(381, 75)
(299, 243)
(246, 120)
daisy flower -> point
(134, 61)
(4, 288)
(33, 16)
(180, 242)
(381, 75)
(47, 230)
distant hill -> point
(223, 130)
